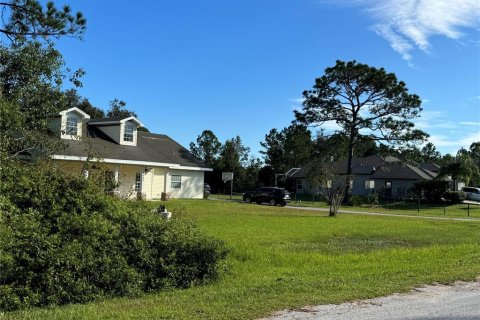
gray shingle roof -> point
(150, 148)
(378, 168)
(359, 165)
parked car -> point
(472, 193)
(271, 195)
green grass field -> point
(283, 258)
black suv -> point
(271, 195)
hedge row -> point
(63, 241)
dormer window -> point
(128, 134)
(68, 123)
(122, 131)
(71, 127)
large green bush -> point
(430, 190)
(455, 196)
(62, 240)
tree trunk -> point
(346, 199)
(333, 206)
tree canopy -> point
(363, 101)
(25, 20)
(291, 147)
(207, 147)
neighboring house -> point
(143, 164)
(373, 174)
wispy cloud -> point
(434, 119)
(470, 123)
(409, 24)
(297, 100)
(455, 142)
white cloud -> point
(297, 100)
(434, 119)
(330, 126)
(409, 24)
(455, 142)
(470, 123)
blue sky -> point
(240, 67)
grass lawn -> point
(282, 258)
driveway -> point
(460, 301)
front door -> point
(388, 189)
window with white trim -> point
(138, 182)
(176, 181)
(369, 184)
(71, 127)
(128, 132)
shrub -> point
(370, 199)
(62, 240)
(455, 196)
(431, 191)
(358, 200)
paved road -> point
(460, 301)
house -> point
(373, 174)
(141, 164)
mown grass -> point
(283, 258)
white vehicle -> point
(472, 193)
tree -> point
(298, 145)
(335, 146)
(322, 178)
(234, 157)
(73, 99)
(430, 153)
(207, 147)
(289, 148)
(31, 79)
(462, 168)
(474, 152)
(117, 110)
(29, 19)
(362, 100)
(274, 150)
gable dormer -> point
(69, 123)
(122, 131)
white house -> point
(144, 164)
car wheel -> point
(273, 202)
(248, 200)
(283, 204)
(259, 202)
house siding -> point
(155, 180)
(400, 188)
(158, 185)
(112, 131)
(358, 186)
(192, 184)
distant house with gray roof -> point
(388, 175)
(143, 164)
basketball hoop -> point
(227, 176)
